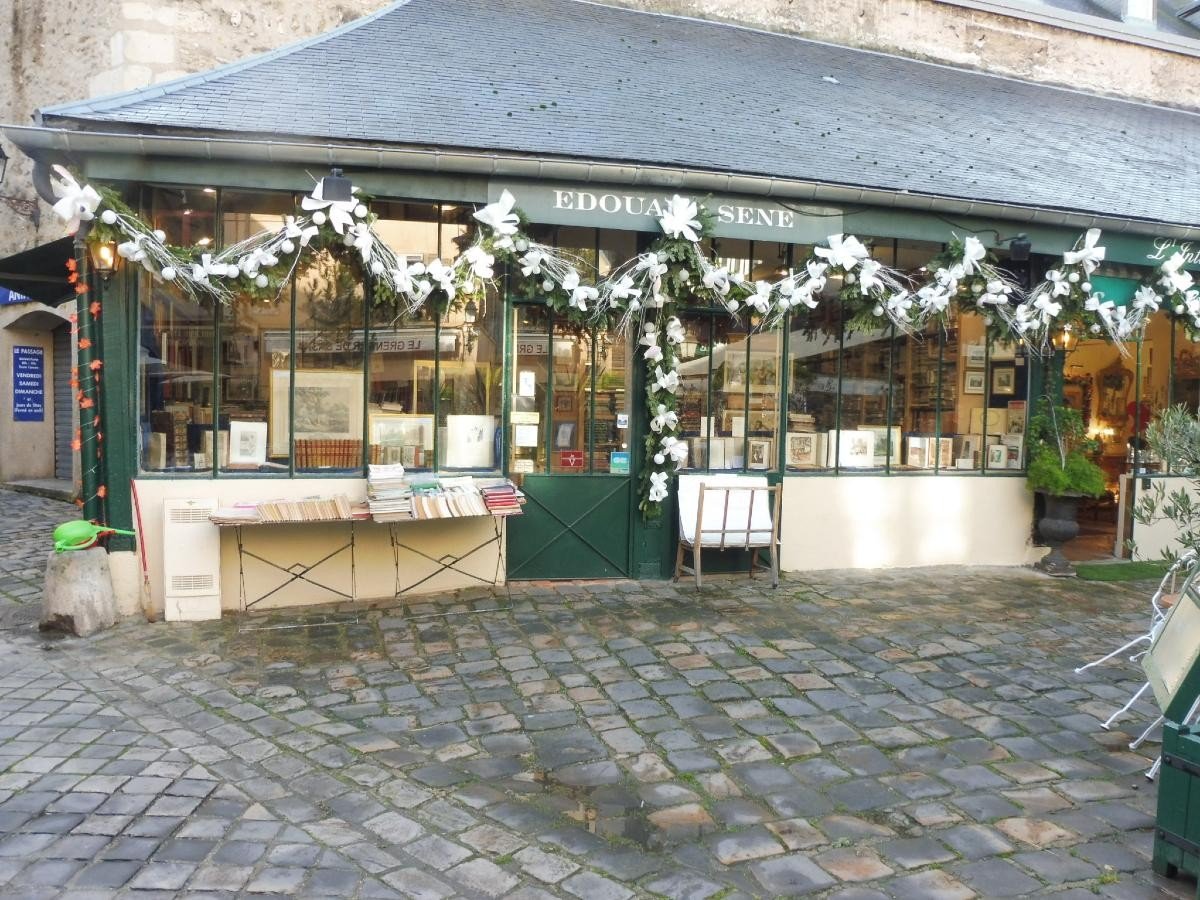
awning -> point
(37, 274)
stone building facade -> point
(59, 50)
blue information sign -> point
(29, 384)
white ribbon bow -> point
(480, 261)
(1089, 255)
(580, 293)
(340, 212)
(899, 304)
(206, 267)
(868, 276)
(761, 298)
(649, 340)
(1176, 280)
(973, 254)
(1045, 304)
(1060, 287)
(531, 262)
(665, 418)
(675, 332)
(443, 275)
(1146, 298)
(402, 278)
(648, 263)
(362, 240)
(665, 381)
(716, 279)
(933, 297)
(673, 449)
(624, 289)
(679, 221)
(843, 252)
(1023, 318)
(499, 216)
(658, 487)
(75, 204)
(293, 230)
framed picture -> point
(564, 379)
(470, 442)
(564, 402)
(401, 429)
(1003, 350)
(1015, 422)
(974, 381)
(976, 355)
(760, 455)
(917, 454)
(564, 435)
(945, 453)
(329, 405)
(997, 456)
(801, 449)
(1004, 380)
(248, 443)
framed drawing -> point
(801, 449)
(974, 381)
(248, 443)
(329, 405)
(976, 355)
(402, 430)
(470, 442)
(564, 402)
(760, 455)
(564, 435)
(1003, 350)
(997, 456)
(1004, 380)
(917, 454)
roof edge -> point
(124, 98)
(40, 143)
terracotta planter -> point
(1058, 525)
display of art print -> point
(802, 449)
(1004, 380)
(976, 355)
(997, 456)
(1016, 417)
(974, 382)
(248, 443)
(760, 455)
(328, 406)
(918, 452)
(470, 442)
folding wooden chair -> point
(728, 512)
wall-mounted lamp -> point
(104, 258)
(1019, 247)
(1064, 340)
(336, 187)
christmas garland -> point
(643, 296)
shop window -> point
(532, 363)
(470, 378)
(813, 372)
(255, 340)
(176, 357)
(692, 400)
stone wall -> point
(59, 50)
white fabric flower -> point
(868, 275)
(716, 279)
(973, 254)
(658, 487)
(679, 221)
(75, 204)
(665, 381)
(1146, 298)
(531, 262)
(480, 261)
(843, 252)
(499, 216)
(624, 289)
(363, 240)
(297, 230)
(1089, 255)
(340, 213)
(443, 275)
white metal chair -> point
(728, 512)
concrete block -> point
(78, 595)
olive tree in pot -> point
(1061, 471)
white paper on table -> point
(526, 435)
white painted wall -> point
(1150, 541)
(307, 543)
(867, 522)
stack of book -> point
(238, 514)
(309, 509)
(501, 497)
(389, 495)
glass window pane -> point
(531, 367)
(730, 388)
(695, 425)
(469, 397)
(187, 215)
(1185, 371)
(615, 248)
(400, 413)
(328, 391)
(867, 407)
(1003, 421)
(255, 340)
(814, 348)
(571, 382)
(613, 395)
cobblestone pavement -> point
(27, 522)
(911, 734)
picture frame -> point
(976, 355)
(1004, 380)
(802, 449)
(1015, 421)
(470, 442)
(400, 429)
(564, 435)
(917, 454)
(1003, 350)
(564, 379)
(997, 456)
(974, 381)
(759, 455)
(564, 402)
(328, 406)
(247, 443)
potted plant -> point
(1061, 470)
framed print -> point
(401, 429)
(802, 449)
(1015, 421)
(945, 453)
(974, 381)
(564, 402)
(329, 405)
(760, 455)
(918, 453)
(997, 456)
(470, 442)
(248, 443)
(564, 379)
(976, 355)
(1003, 350)
(564, 435)
(1004, 380)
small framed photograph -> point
(564, 402)
(945, 452)
(974, 381)
(976, 355)
(1003, 350)
(1004, 380)
(247, 443)
(760, 455)
(997, 456)
(801, 449)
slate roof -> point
(564, 78)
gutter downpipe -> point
(42, 144)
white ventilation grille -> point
(191, 560)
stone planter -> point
(1058, 525)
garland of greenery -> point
(643, 296)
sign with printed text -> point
(29, 384)
(618, 462)
(633, 209)
(570, 459)
(7, 295)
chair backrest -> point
(736, 510)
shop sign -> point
(636, 209)
(7, 295)
(29, 384)
(1165, 248)
(407, 340)
(618, 462)
(570, 459)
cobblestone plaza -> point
(906, 733)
